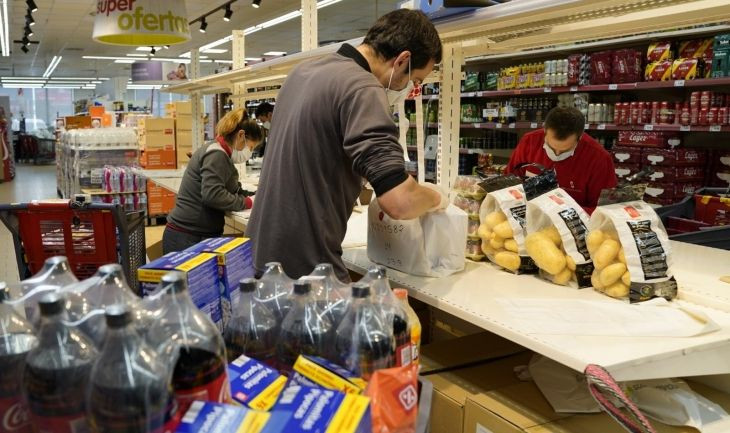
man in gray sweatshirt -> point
(331, 131)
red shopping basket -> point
(89, 235)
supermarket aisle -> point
(31, 182)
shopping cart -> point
(89, 235)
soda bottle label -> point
(15, 417)
(218, 390)
(403, 355)
(62, 424)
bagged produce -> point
(630, 249)
(502, 225)
(557, 228)
(430, 246)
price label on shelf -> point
(648, 127)
(477, 125)
(480, 94)
(574, 88)
(715, 128)
(587, 126)
(601, 126)
(547, 90)
(533, 125)
(685, 128)
(612, 86)
(498, 126)
(679, 83)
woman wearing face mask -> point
(583, 166)
(264, 112)
(210, 186)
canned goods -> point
(677, 111)
(591, 113)
(712, 116)
(722, 114)
(610, 112)
(694, 117)
(636, 109)
(617, 114)
(646, 112)
(685, 118)
(655, 106)
(564, 79)
(664, 112)
(705, 99)
(694, 100)
(704, 119)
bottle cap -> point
(112, 269)
(51, 304)
(360, 290)
(4, 292)
(118, 316)
(324, 267)
(176, 281)
(302, 288)
(247, 285)
(272, 265)
(56, 260)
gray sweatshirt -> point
(330, 129)
(209, 188)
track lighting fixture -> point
(29, 18)
(256, 3)
(24, 49)
(229, 13)
(203, 25)
(31, 5)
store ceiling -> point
(64, 27)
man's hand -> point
(443, 195)
(410, 200)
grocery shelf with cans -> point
(605, 127)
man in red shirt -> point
(583, 166)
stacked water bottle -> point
(125, 186)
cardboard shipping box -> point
(157, 133)
(452, 390)
(158, 159)
(160, 201)
(78, 122)
(184, 123)
(465, 351)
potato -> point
(511, 245)
(497, 242)
(545, 253)
(570, 262)
(563, 278)
(553, 234)
(504, 230)
(495, 218)
(484, 232)
(606, 253)
(486, 248)
(508, 260)
(617, 290)
(612, 273)
(596, 280)
(594, 240)
(622, 256)
(626, 278)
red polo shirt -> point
(583, 175)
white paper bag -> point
(429, 246)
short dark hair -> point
(565, 122)
(263, 109)
(405, 30)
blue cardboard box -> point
(208, 417)
(201, 271)
(314, 371)
(235, 262)
(254, 384)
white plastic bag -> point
(564, 388)
(644, 252)
(430, 246)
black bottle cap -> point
(247, 285)
(4, 292)
(302, 287)
(112, 269)
(325, 267)
(51, 304)
(118, 316)
(176, 281)
(360, 290)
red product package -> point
(658, 71)
(720, 160)
(720, 179)
(626, 66)
(393, 396)
(626, 155)
(659, 51)
(696, 48)
(648, 139)
(688, 69)
(625, 170)
(674, 157)
(574, 69)
(601, 67)
(677, 174)
(672, 191)
(712, 209)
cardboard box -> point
(648, 139)
(664, 174)
(445, 326)
(625, 170)
(216, 417)
(235, 262)
(78, 122)
(465, 351)
(453, 389)
(160, 201)
(674, 157)
(183, 107)
(254, 384)
(184, 122)
(157, 133)
(626, 155)
(670, 192)
(201, 271)
(158, 159)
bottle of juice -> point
(402, 295)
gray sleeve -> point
(371, 138)
(214, 171)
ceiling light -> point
(214, 51)
(253, 59)
(136, 55)
(167, 47)
(325, 3)
(28, 30)
(23, 86)
(227, 62)
(153, 51)
(275, 53)
(203, 25)
(61, 87)
(256, 3)
(149, 49)
(214, 44)
(103, 58)
(229, 13)
(52, 66)
(25, 40)
(124, 61)
(31, 5)
(29, 19)
(5, 30)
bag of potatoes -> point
(557, 226)
(502, 229)
(631, 252)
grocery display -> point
(469, 198)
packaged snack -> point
(696, 48)
(209, 417)
(556, 227)
(468, 186)
(502, 229)
(394, 399)
(659, 51)
(671, 192)
(631, 252)
(658, 71)
(474, 250)
(688, 69)
(468, 205)
(473, 229)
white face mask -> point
(267, 125)
(396, 96)
(555, 157)
(241, 156)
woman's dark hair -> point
(565, 122)
(263, 109)
(405, 30)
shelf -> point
(603, 127)
(474, 295)
(462, 151)
(644, 85)
(433, 125)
